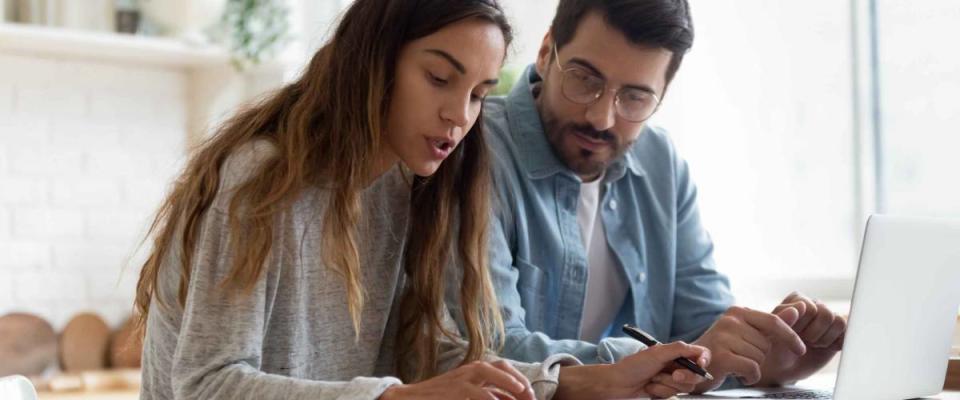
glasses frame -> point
(596, 96)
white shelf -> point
(107, 47)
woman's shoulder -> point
(244, 162)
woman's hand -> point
(478, 380)
(650, 372)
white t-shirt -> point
(606, 285)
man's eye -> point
(640, 97)
(580, 75)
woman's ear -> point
(544, 54)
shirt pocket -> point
(532, 286)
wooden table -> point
(818, 381)
(91, 395)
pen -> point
(648, 340)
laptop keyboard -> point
(801, 394)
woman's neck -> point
(382, 163)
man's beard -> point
(583, 162)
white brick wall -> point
(86, 153)
(4, 226)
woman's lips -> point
(440, 148)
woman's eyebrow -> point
(451, 59)
(458, 65)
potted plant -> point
(254, 30)
(185, 19)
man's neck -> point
(590, 178)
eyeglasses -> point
(583, 87)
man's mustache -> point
(588, 131)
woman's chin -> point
(423, 168)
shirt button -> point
(613, 204)
(641, 276)
(577, 272)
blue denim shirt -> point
(539, 264)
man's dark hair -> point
(654, 23)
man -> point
(597, 222)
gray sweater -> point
(292, 336)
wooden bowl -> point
(125, 347)
(84, 343)
(28, 344)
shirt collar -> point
(536, 155)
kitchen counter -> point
(91, 395)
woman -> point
(298, 256)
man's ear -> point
(544, 54)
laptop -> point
(902, 316)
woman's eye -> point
(435, 79)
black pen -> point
(648, 340)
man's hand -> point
(648, 373)
(822, 332)
(740, 341)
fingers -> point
(743, 351)
(505, 366)
(817, 326)
(678, 377)
(773, 327)
(808, 312)
(665, 354)
(666, 385)
(836, 330)
(811, 311)
(660, 391)
(499, 394)
(485, 374)
(820, 324)
(474, 392)
(789, 315)
(683, 379)
(800, 306)
(747, 369)
(837, 345)
(754, 338)
(747, 349)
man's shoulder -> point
(495, 121)
(494, 104)
(496, 130)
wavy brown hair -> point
(326, 127)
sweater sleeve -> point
(543, 376)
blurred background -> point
(798, 118)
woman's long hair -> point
(327, 128)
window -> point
(919, 98)
(761, 109)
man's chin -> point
(575, 159)
(587, 168)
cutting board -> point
(90, 381)
(28, 344)
(83, 343)
(953, 375)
